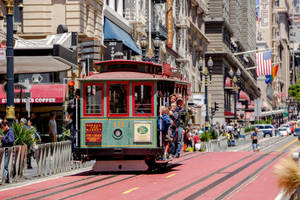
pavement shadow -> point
(159, 170)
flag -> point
(268, 79)
(264, 63)
(274, 71)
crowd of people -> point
(173, 125)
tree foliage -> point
(294, 91)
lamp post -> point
(207, 72)
(236, 80)
(156, 47)
(149, 56)
(144, 44)
(10, 109)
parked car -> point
(288, 128)
(266, 129)
(283, 131)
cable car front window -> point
(142, 99)
(93, 99)
(118, 99)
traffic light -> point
(213, 111)
(71, 89)
(216, 106)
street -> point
(216, 175)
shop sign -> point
(93, 133)
(112, 47)
(35, 100)
(170, 23)
(264, 15)
(142, 132)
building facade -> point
(273, 26)
(229, 33)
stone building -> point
(229, 33)
(273, 33)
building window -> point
(107, 2)
(93, 99)
(118, 99)
(143, 99)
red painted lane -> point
(55, 190)
(264, 185)
(39, 186)
(81, 189)
(218, 190)
(215, 177)
(157, 185)
(51, 183)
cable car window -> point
(142, 99)
(93, 99)
(118, 98)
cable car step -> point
(120, 165)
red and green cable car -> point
(119, 108)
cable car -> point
(119, 108)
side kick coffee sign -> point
(34, 100)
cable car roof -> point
(125, 75)
(122, 61)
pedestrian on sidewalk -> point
(7, 141)
(53, 127)
(254, 138)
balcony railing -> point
(133, 15)
(160, 28)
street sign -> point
(23, 95)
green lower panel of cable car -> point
(118, 133)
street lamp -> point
(156, 47)
(10, 109)
(149, 57)
(236, 80)
(144, 45)
(206, 72)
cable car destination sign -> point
(93, 133)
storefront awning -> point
(25, 64)
(52, 54)
(244, 96)
(41, 93)
(272, 112)
(114, 32)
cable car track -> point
(171, 165)
(162, 170)
(223, 179)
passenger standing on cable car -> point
(163, 124)
(181, 124)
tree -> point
(294, 91)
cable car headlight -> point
(118, 133)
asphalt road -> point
(237, 174)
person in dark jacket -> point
(181, 124)
(164, 123)
(9, 137)
(7, 141)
